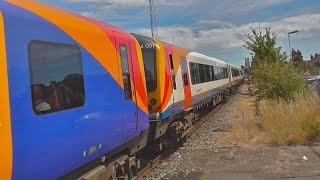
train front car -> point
(74, 100)
(168, 83)
(237, 75)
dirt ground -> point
(252, 163)
(206, 156)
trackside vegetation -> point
(273, 77)
(281, 110)
(281, 122)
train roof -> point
(235, 67)
(69, 19)
(202, 56)
(143, 38)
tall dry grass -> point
(279, 122)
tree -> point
(263, 47)
(297, 58)
(273, 77)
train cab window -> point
(150, 68)
(172, 71)
(125, 72)
(184, 71)
(56, 75)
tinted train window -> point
(207, 72)
(216, 73)
(211, 73)
(202, 73)
(125, 72)
(194, 71)
(235, 72)
(184, 71)
(56, 75)
(225, 73)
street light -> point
(292, 32)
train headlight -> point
(153, 101)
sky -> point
(212, 27)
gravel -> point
(205, 138)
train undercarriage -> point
(163, 134)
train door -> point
(229, 74)
(129, 108)
(186, 82)
(173, 78)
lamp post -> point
(292, 32)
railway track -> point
(162, 156)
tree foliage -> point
(273, 77)
(297, 58)
(263, 47)
(277, 81)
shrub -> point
(277, 81)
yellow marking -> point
(5, 128)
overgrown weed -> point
(280, 122)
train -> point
(80, 97)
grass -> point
(279, 123)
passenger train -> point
(81, 97)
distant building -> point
(316, 60)
(247, 62)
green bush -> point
(277, 80)
(273, 77)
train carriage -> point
(210, 78)
(180, 82)
(73, 92)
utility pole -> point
(292, 32)
(153, 19)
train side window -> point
(211, 73)
(172, 72)
(207, 72)
(222, 72)
(56, 75)
(202, 73)
(235, 72)
(125, 72)
(225, 72)
(194, 71)
(184, 71)
(216, 73)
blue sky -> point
(212, 27)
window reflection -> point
(56, 76)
